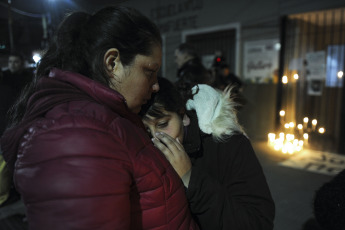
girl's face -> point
(170, 124)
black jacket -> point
(17, 81)
(191, 73)
(227, 187)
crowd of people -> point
(95, 139)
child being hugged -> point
(202, 139)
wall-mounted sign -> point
(316, 65)
(177, 16)
(260, 62)
(316, 161)
(315, 72)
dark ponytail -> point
(65, 51)
(81, 41)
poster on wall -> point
(315, 87)
(260, 63)
(315, 72)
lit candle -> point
(285, 80)
(306, 137)
(271, 138)
(305, 122)
(300, 127)
(322, 130)
(300, 143)
(281, 136)
(282, 116)
(314, 123)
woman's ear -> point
(112, 61)
(185, 120)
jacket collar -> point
(61, 87)
(193, 135)
(98, 92)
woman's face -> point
(139, 80)
(170, 123)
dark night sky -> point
(27, 20)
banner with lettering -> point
(175, 16)
(260, 64)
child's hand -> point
(174, 152)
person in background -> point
(225, 77)
(225, 184)
(17, 76)
(79, 152)
(8, 194)
(329, 203)
(7, 96)
(190, 70)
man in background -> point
(225, 77)
(190, 70)
(16, 76)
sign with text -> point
(318, 162)
(316, 65)
(316, 72)
(260, 60)
(177, 16)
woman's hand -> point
(174, 152)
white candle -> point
(282, 117)
(300, 127)
(305, 122)
(306, 137)
(314, 123)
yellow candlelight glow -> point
(285, 80)
(282, 113)
(281, 136)
(305, 136)
(322, 130)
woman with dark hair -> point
(225, 185)
(79, 152)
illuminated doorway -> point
(312, 66)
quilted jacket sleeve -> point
(75, 175)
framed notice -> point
(316, 72)
(260, 62)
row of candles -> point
(285, 78)
(288, 141)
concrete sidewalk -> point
(292, 189)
